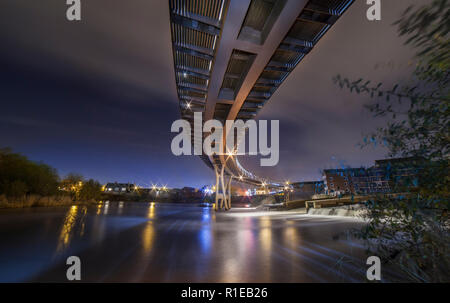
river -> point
(155, 242)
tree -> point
(90, 190)
(72, 183)
(412, 231)
(20, 176)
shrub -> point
(90, 190)
(20, 176)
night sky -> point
(98, 96)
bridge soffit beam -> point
(232, 76)
(194, 102)
(279, 64)
(321, 9)
(196, 23)
(202, 88)
(199, 49)
(331, 20)
(195, 71)
(277, 68)
(294, 48)
(298, 42)
(183, 90)
(265, 84)
(187, 72)
(191, 89)
(193, 52)
(192, 99)
(266, 81)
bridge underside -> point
(230, 56)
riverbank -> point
(38, 201)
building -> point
(342, 181)
(190, 193)
(398, 174)
(305, 190)
(119, 188)
(387, 175)
(313, 187)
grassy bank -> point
(39, 201)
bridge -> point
(230, 56)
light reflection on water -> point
(148, 233)
(99, 208)
(70, 226)
(265, 238)
(290, 236)
(205, 234)
(106, 208)
(157, 242)
(151, 211)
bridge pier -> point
(223, 197)
(229, 192)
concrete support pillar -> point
(223, 189)
(229, 192)
(221, 197)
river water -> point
(151, 242)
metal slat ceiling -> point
(289, 55)
(195, 28)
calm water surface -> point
(151, 242)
